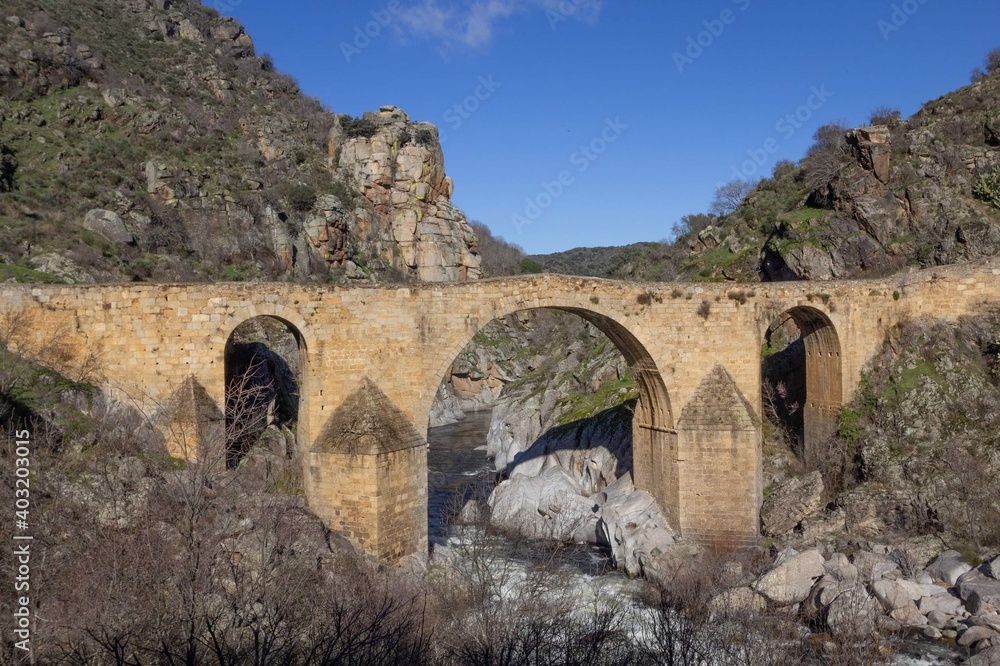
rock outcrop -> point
(400, 171)
(161, 131)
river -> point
(459, 469)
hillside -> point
(639, 261)
(147, 140)
(863, 202)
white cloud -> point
(470, 23)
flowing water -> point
(458, 469)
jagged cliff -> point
(147, 140)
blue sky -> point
(590, 122)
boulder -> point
(989, 657)
(942, 603)
(633, 528)
(980, 593)
(853, 612)
(793, 500)
(937, 619)
(840, 568)
(548, 506)
(948, 566)
(791, 581)
(973, 635)
(892, 595)
(872, 567)
(992, 621)
(909, 616)
(992, 568)
(931, 633)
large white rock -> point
(989, 657)
(790, 582)
(107, 224)
(992, 568)
(548, 506)
(840, 568)
(942, 603)
(948, 566)
(892, 595)
(872, 566)
(633, 527)
(980, 593)
(853, 612)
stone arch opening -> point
(265, 369)
(802, 379)
(652, 451)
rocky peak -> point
(398, 166)
(872, 149)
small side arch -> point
(824, 384)
(299, 373)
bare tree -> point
(730, 196)
(885, 115)
(828, 156)
(498, 256)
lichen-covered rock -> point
(791, 501)
(107, 224)
(400, 171)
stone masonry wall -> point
(144, 342)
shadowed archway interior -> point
(821, 391)
(265, 359)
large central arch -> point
(654, 439)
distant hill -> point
(639, 261)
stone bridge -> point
(372, 359)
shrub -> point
(498, 256)
(827, 157)
(358, 127)
(347, 196)
(300, 197)
(8, 167)
(993, 61)
(425, 137)
(692, 224)
(730, 196)
(885, 115)
(991, 65)
(530, 266)
(987, 188)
